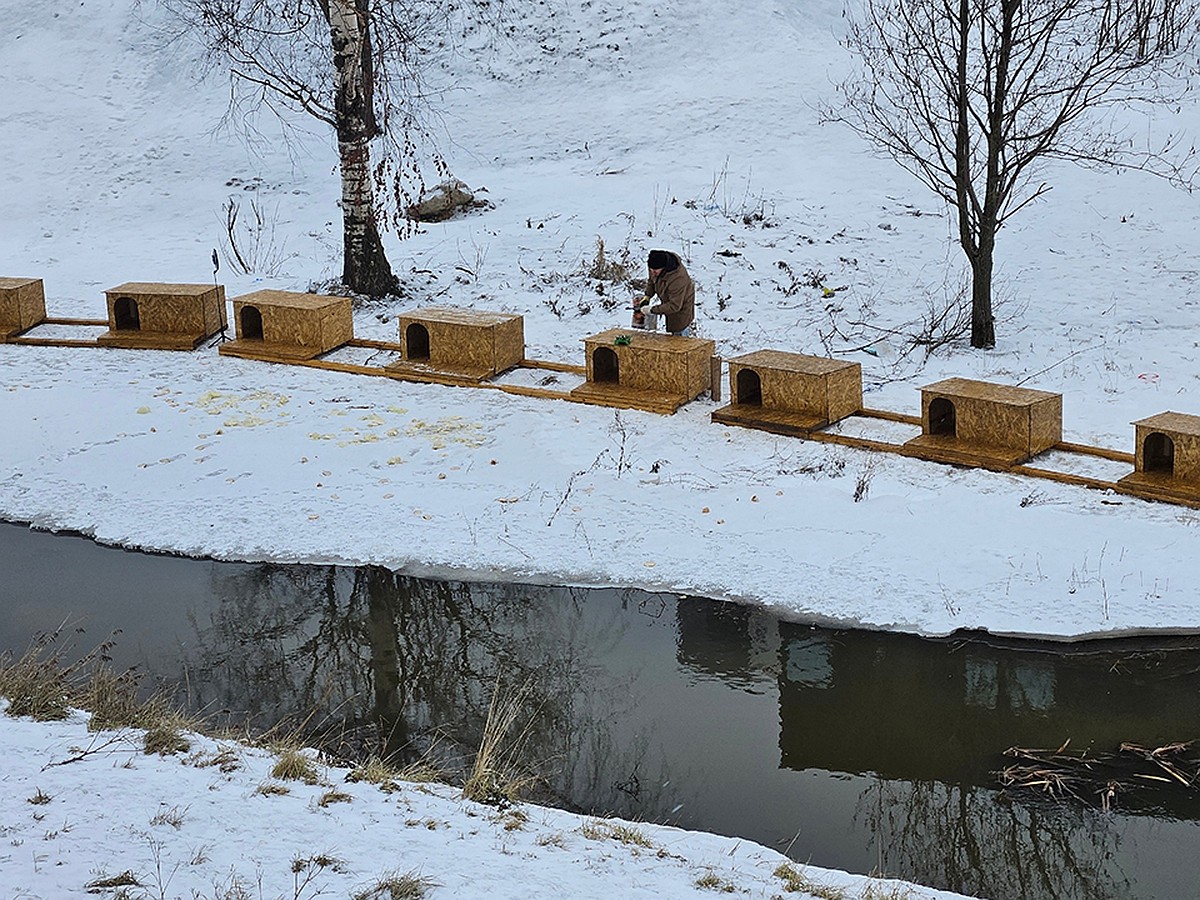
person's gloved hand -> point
(642, 305)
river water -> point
(854, 750)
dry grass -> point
(423, 771)
(166, 735)
(600, 830)
(39, 799)
(605, 268)
(335, 796)
(225, 759)
(293, 765)
(795, 881)
(38, 684)
(41, 684)
(409, 886)
(172, 816)
(377, 772)
(495, 774)
(108, 882)
(879, 892)
(113, 702)
(711, 881)
(267, 789)
(388, 778)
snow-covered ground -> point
(123, 178)
(91, 813)
(674, 125)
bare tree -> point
(973, 97)
(351, 64)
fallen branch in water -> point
(1061, 774)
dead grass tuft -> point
(795, 881)
(165, 736)
(39, 799)
(711, 881)
(38, 684)
(172, 816)
(496, 775)
(225, 759)
(874, 891)
(105, 883)
(605, 268)
(335, 796)
(113, 702)
(600, 830)
(409, 886)
(294, 765)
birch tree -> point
(975, 97)
(350, 64)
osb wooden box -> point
(979, 423)
(1166, 457)
(461, 341)
(644, 370)
(770, 388)
(289, 325)
(163, 316)
(22, 305)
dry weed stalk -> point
(494, 775)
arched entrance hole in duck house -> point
(252, 324)
(941, 417)
(605, 365)
(416, 341)
(125, 314)
(749, 388)
(1158, 453)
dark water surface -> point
(854, 750)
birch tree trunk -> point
(365, 267)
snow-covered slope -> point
(682, 126)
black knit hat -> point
(660, 259)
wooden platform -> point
(462, 372)
(956, 452)
(149, 340)
(1160, 486)
(606, 394)
(268, 352)
(792, 424)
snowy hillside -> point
(677, 126)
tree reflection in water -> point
(976, 841)
(367, 661)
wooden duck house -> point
(22, 305)
(1166, 458)
(981, 424)
(790, 392)
(645, 370)
(286, 326)
(148, 315)
(462, 342)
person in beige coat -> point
(671, 284)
